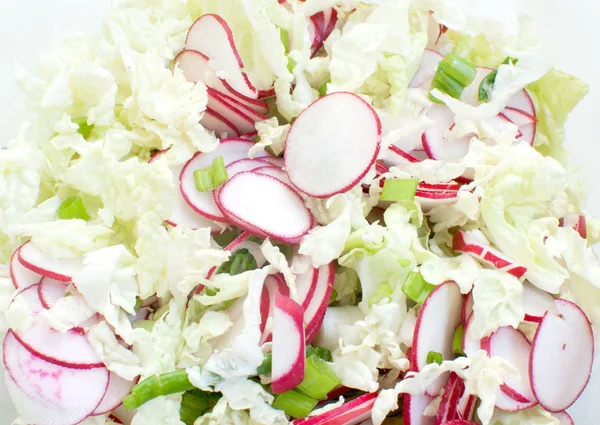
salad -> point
(320, 212)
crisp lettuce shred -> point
(150, 296)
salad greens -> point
(180, 302)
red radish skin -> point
(274, 284)
(21, 276)
(470, 243)
(118, 389)
(460, 422)
(439, 187)
(48, 394)
(397, 157)
(431, 199)
(414, 406)
(340, 129)
(252, 136)
(526, 123)
(257, 202)
(330, 18)
(508, 404)
(466, 406)
(306, 285)
(211, 36)
(183, 214)
(562, 356)
(564, 418)
(316, 29)
(213, 121)
(576, 222)
(245, 164)
(288, 345)
(41, 263)
(315, 312)
(511, 345)
(50, 291)
(70, 349)
(434, 330)
(350, 413)
(453, 391)
(202, 202)
(239, 106)
(266, 94)
(242, 122)
(467, 308)
(536, 303)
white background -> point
(29, 26)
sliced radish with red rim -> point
(48, 394)
(564, 418)
(536, 303)
(438, 143)
(213, 121)
(414, 406)
(41, 263)
(467, 308)
(274, 284)
(470, 345)
(397, 157)
(332, 145)
(118, 389)
(239, 106)
(453, 391)
(562, 356)
(264, 205)
(350, 413)
(526, 123)
(316, 309)
(50, 291)
(427, 69)
(241, 121)
(21, 276)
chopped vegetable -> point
(212, 177)
(72, 208)
(452, 76)
(399, 189)
(487, 84)
(434, 357)
(416, 288)
(158, 386)
(295, 404)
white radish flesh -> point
(414, 406)
(536, 303)
(278, 173)
(453, 391)
(526, 123)
(288, 345)
(41, 263)
(259, 202)
(48, 394)
(508, 404)
(332, 145)
(431, 199)
(242, 122)
(213, 121)
(562, 356)
(274, 284)
(246, 164)
(315, 312)
(467, 308)
(202, 202)
(50, 291)
(436, 322)
(470, 345)
(511, 345)
(564, 418)
(21, 276)
(239, 106)
(351, 413)
(118, 389)
(522, 102)
(427, 69)
(438, 142)
(211, 36)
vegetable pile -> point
(313, 212)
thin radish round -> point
(332, 145)
(466, 406)
(288, 344)
(564, 418)
(350, 413)
(431, 199)
(245, 164)
(438, 143)
(511, 345)
(434, 330)
(526, 123)
(242, 122)
(259, 202)
(575, 221)
(562, 356)
(522, 102)
(39, 262)
(316, 309)
(274, 284)
(395, 157)
(213, 121)
(239, 106)
(414, 406)
(21, 276)
(202, 202)
(470, 345)
(508, 404)
(70, 349)
(48, 394)
(183, 214)
(118, 389)
(536, 303)
(50, 291)
(453, 391)
(427, 69)
(278, 173)
(467, 308)
(211, 36)
(306, 284)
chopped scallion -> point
(295, 404)
(487, 84)
(434, 357)
(196, 403)
(84, 129)
(211, 177)
(72, 208)
(157, 386)
(320, 352)
(416, 288)
(319, 379)
(240, 261)
(399, 189)
(457, 341)
(265, 367)
(452, 76)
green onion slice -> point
(457, 341)
(434, 357)
(158, 386)
(319, 379)
(452, 76)
(416, 288)
(72, 208)
(295, 404)
(487, 84)
(212, 177)
(399, 189)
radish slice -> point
(245, 164)
(239, 106)
(427, 69)
(315, 312)
(439, 187)
(431, 199)
(71, 349)
(277, 173)
(41, 263)
(252, 136)
(213, 121)
(536, 303)
(242, 122)
(470, 345)
(288, 344)
(474, 243)
(562, 356)
(195, 67)
(576, 222)
(436, 322)
(466, 406)
(211, 36)
(202, 202)
(467, 308)
(316, 26)
(564, 418)
(183, 214)
(21, 276)
(440, 145)
(526, 123)
(453, 391)
(397, 157)
(275, 160)
(350, 413)
(522, 102)
(332, 145)
(511, 345)
(461, 422)
(50, 291)
(48, 394)
(330, 17)
(508, 404)
(259, 202)
(274, 284)
(118, 389)
(306, 284)
(414, 406)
